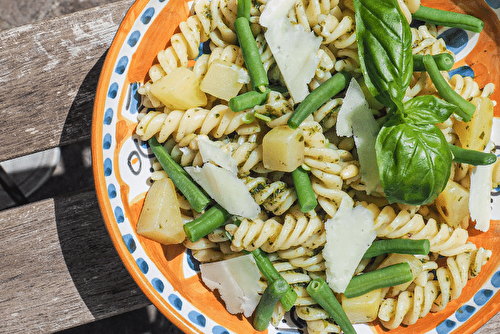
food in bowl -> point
(323, 148)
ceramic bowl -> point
(168, 275)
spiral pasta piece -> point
(230, 54)
(272, 234)
(432, 295)
(276, 197)
(424, 40)
(217, 19)
(205, 250)
(309, 259)
(318, 321)
(444, 240)
(218, 121)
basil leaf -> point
(414, 162)
(384, 48)
(428, 109)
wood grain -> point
(58, 267)
(48, 76)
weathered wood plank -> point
(58, 267)
(48, 77)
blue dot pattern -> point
(482, 296)
(113, 90)
(464, 312)
(456, 39)
(219, 330)
(134, 38)
(121, 65)
(495, 4)
(495, 280)
(197, 318)
(108, 116)
(108, 167)
(158, 284)
(106, 142)
(465, 71)
(130, 242)
(143, 265)
(175, 301)
(148, 14)
(446, 326)
(120, 217)
(112, 191)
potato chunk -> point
(475, 134)
(180, 89)
(160, 219)
(224, 80)
(453, 203)
(363, 308)
(283, 149)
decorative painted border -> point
(133, 158)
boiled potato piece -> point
(453, 203)
(475, 134)
(180, 89)
(224, 80)
(160, 219)
(283, 149)
(363, 308)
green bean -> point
(444, 62)
(471, 157)
(265, 308)
(248, 100)
(381, 278)
(323, 295)
(271, 274)
(251, 55)
(195, 196)
(318, 97)
(207, 222)
(243, 9)
(448, 19)
(303, 188)
(398, 246)
(466, 108)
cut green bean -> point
(271, 274)
(251, 55)
(398, 246)
(243, 9)
(318, 97)
(265, 308)
(381, 278)
(444, 62)
(448, 19)
(303, 189)
(195, 196)
(248, 100)
(206, 223)
(466, 108)
(323, 295)
(471, 157)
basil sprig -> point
(384, 45)
(413, 157)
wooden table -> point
(58, 267)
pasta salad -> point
(316, 155)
